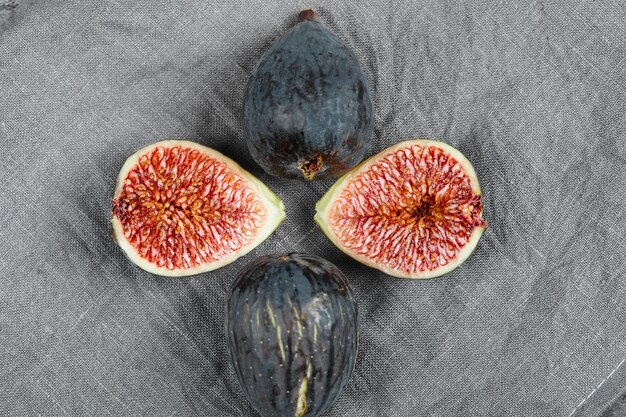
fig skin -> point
(292, 330)
(307, 107)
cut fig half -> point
(181, 209)
(412, 211)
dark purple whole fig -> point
(291, 326)
(307, 108)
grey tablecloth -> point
(532, 92)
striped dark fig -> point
(307, 107)
(291, 325)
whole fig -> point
(307, 108)
(291, 326)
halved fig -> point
(412, 211)
(181, 208)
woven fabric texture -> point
(532, 92)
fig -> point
(181, 208)
(412, 211)
(292, 331)
(307, 107)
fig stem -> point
(308, 15)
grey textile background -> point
(533, 92)
(7, 7)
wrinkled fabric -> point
(7, 7)
(533, 93)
